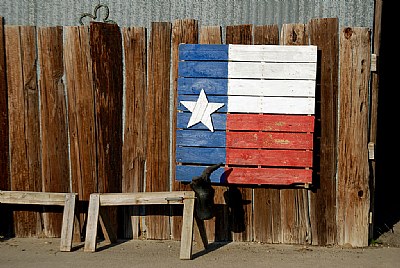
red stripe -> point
(269, 140)
(275, 176)
(270, 122)
(277, 158)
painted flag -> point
(250, 107)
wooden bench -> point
(97, 200)
(47, 199)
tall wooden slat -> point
(183, 31)
(106, 54)
(23, 107)
(134, 144)
(267, 218)
(239, 199)
(295, 225)
(218, 227)
(158, 122)
(324, 34)
(5, 225)
(78, 75)
(353, 170)
(55, 160)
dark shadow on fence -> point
(387, 182)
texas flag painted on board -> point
(250, 107)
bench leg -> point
(68, 222)
(187, 229)
(92, 220)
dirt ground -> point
(44, 253)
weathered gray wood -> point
(92, 223)
(48, 199)
(187, 227)
(98, 202)
(68, 222)
(353, 201)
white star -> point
(201, 110)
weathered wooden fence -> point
(87, 109)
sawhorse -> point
(187, 198)
(47, 199)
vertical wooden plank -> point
(134, 144)
(183, 31)
(6, 224)
(267, 217)
(324, 34)
(218, 227)
(79, 81)
(295, 223)
(106, 54)
(55, 160)
(353, 171)
(23, 107)
(239, 199)
(158, 122)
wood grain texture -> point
(23, 112)
(81, 117)
(55, 160)
(353, 169)
(158, 126)
(295, 226)
(134, 144)
(106, 54)
(324, 34)
(183, 31)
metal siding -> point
(355, 13)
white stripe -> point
(254, 87)
(272, 70)
(273, 53)
(274, 105)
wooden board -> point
(134, 144)
(158, 126)
(324, 34)
(353, 169)
(23, 112)
(55, 160)
(106, 55)
(183, 31)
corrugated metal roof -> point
(207, 12)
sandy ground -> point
(44, 252)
